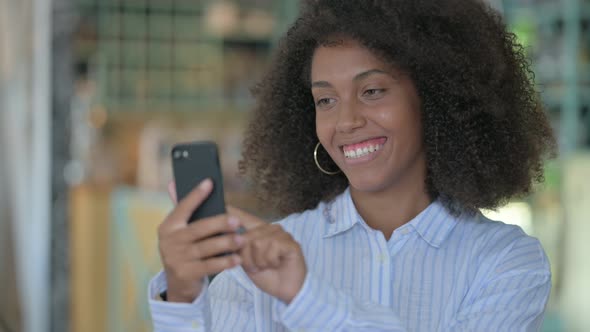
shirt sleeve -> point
(232, 302)
(225, 305)
(178, 317)
(321, 307)
(513, 296)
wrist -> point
(182, 295)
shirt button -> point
(328, 214)
(404, 231)
(195, 324)
(382, 258)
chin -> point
(367, 184)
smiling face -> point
(367, 117)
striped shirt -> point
(437, 272)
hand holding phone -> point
(198, 239)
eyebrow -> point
(357, 77)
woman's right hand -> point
(188, 250)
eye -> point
(324, 102)
(373, 92)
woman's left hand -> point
(271, 257)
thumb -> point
(247, 220)
(172, 192)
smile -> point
(362, 149)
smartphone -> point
(191, 164)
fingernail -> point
(233, 221)
(206, 184)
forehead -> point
(342, 58)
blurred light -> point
(259, 23)
(517, 213)
(98, 117)
(525, 30)
(222, 18)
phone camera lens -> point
(177, 154)
(185, 154)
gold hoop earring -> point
(315, 157)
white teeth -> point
(360, 152)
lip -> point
(363, 159)
(358, 141)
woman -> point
(418, 114)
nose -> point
(349, 118)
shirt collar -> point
(433, 224)
(340, 214)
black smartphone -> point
(191, 164)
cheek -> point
(390, 118)
(399, 118)
(386, 117)
(411, 134)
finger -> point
(250, 251)
(273, 255)
(247, 259)
(217, 245)
(261, 232)
(172, 192)
(180, 215)
(207, 227)
(262, 245)
(259, 251)
(280, 246)
(248, 221)
(217, 264)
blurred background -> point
(93, 93)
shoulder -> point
(506, 247)
(306, 223)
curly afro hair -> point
(485, 133)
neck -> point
(388, 209)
